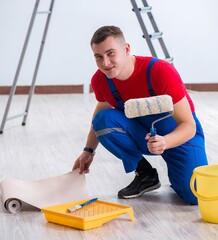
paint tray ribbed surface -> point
(87, 217)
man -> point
(179, 139)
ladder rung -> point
(156, 35)
(16, 116)
(170, 59)
(144, 9)
(44, 12)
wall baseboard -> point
(68, 89)
(49, 89)
(202, 87)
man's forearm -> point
(92, 140)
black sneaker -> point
(140, 185)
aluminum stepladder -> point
(32, 87)
(150, 37)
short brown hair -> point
(103, 32)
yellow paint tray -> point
(87, 217)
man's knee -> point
(184, 191)
(108, 118)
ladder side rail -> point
(161, 41)
(166, 53)
(156, 29)
(144, 30)
(145, 3)
(150, 15)
(38, 62)
(13, 88)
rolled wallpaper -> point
(44, 192)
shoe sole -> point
(142, 192)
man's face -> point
(111, 57)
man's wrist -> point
(90, 150)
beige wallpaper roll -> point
(44, 192)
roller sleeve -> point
(147, 106)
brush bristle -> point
(147, 106)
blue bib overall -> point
(125, 138)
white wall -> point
(190, 33)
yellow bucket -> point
(206, 178)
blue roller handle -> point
(153, 132)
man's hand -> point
(83, 162)
(156, 144)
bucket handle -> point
(192, 182)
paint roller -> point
(147, 106)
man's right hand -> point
(83, 162)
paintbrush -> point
(78, 206)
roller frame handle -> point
(153, 132)
(201, 197)
(153, 129)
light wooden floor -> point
(50, 142)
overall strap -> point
(148, 73)
(115, 93)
